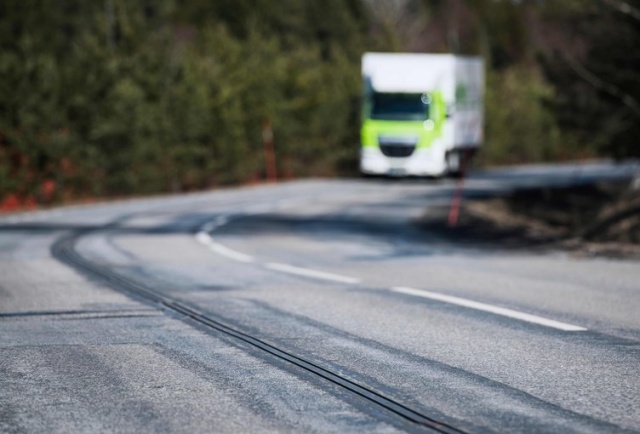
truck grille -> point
(391, 150)
(397, 146)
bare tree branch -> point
(624, 7)
(600, 84)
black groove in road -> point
(64, 250)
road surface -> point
(310, 306)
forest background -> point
(108, 98)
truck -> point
(422, 114)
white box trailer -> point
(422, 113)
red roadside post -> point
(456, 201)
(269, 151)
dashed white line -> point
(204, 238)
(220, 221)
(230, 253)
(311, 273)
(490, 308)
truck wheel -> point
(459, 162)
(454, 164)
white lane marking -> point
(311, 273)
(204, 238)
(229, 253)
(208, 227)
(219, 221)
(489, 308)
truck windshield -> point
(399, 106)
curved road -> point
(310, 306)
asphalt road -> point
(310, 306)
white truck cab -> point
(422, 114)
